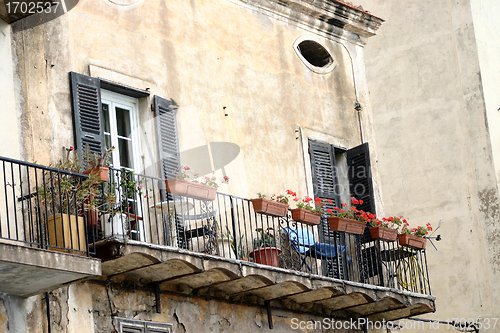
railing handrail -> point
(38, 166)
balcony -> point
(35, 241)
(145, 236)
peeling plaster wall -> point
(427, 72)
(20, 315)
(191, 314)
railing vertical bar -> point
(6, 199)
(233, 220)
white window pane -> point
(125, 149)
(105, 112)
(123, 122)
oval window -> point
(314, 55)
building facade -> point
(271, 94)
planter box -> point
(305, 216)
(346, 225)
(385, 234)
(191, 190)
(67, 231)
(413, 242)
(266, 256)
(269, 207)
(103, 173)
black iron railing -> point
(229, 227)
(44, 207)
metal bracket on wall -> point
(269, 314)
(157, 298)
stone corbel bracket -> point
(330, 18)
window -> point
(337, 175)
(140, 326)
(314, 55)
(120, 128)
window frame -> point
(114, 99)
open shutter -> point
(168, 143)
(360, 181)
(360, 177)
(87, 113)
(324, 173)
(325, 184)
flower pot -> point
(305, 216)
(266, 256)
(346, 225)
(68, 232)
(191, 190)
(411, 241)
(385, 234)
(103, 173)
(269, 207)
(91, 215)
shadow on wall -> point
(210, 157)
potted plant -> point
(350, 220)
(276, 206)
(308, 211)
(387, 229)
(97, 164)
(203, 189)
(241, 252)
(265, 251)
(414, 238)
(123, 212)
(64, 200)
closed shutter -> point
(168, 143)
(360, 181)
(87, 113)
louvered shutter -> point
(360, 181)
(360, 177)
(168, 143)
(324, 172)
(87, 113)
(325, 184)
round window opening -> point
(315, 53)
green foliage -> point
(264, 238)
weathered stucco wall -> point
(92, 307)
(233, 71)
(435, 155)
(9, 126)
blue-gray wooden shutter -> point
(168, 143)
(87, 113)
(324, 173)
(360, 177)
(360, 181)
(325, 186)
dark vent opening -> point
(314, 53)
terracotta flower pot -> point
(269, 207)
(346, 225)
(191, 190)
(103, 173)
(305, 216)
(385, 234)
(266, 256)
(411, 241)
